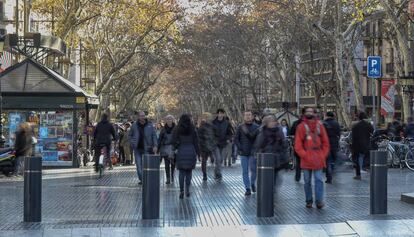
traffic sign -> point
(374, 69)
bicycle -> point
(409, 156)
(345, 145)
(398, 153)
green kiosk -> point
(56, 108)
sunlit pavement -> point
(76, 203)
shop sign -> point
(80, 100)
(388, 92)
(66, 106)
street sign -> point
(374, 69)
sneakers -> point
(320, 205)
(309, 205)
(253, 188)
(168, 182)
(358, 177)
(218, 177)
(248, 192)
(205, 178)
(181, 195)
(328, 181)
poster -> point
(14, 120)
(388, 92)
(56, 140)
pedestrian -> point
(121, 134)
(126, 144)
(312, 146)
(166, 149)
(244, 139)
(333, 130)
(292, 132)
(207, 141)
(102, 136)
(257, 118)
(224, 134)
(271, 139)
(22, 147)
(185, 140)
(409, 129)
(229, 147)
(361, 135)
(285, 127)
(143, 139)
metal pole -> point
(265, 184)
(33, 189)
(378, 182)
(373, 88)
(151, 187)
(17, 17)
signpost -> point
(374, 71)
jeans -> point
(359, 163)
(227, 154)
(218, 155)
(204, 158)
(318, 176)
(185, 175)
(330, 162)
(298, 170)
(19, 165)
(246, 163)
(138, 162)
(169, 168)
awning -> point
(29, 84)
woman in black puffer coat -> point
(185, 140)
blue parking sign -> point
(374, 69)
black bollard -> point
(378, 187)
(33, 189)
(151, 187)
(265, 183)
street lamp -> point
(2, 138)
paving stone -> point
(81, 200)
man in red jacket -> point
(312, 146)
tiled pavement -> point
(76, 201)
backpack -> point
(308, 132)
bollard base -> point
(408, 198)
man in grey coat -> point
(143, 140)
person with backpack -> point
(245, 137)
(361, 141)
(312, 146)
(292, 133)
(334, 134)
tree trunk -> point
(357, 87)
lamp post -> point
(2, 138)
